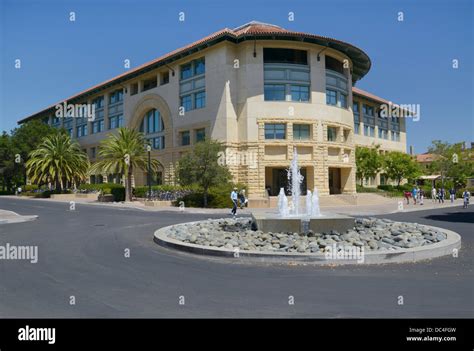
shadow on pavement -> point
(465, 217)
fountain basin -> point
(271, 222)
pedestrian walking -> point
(441, 195)
(407, 195)
(234, 198)
(466, 195)
(414, 194)
(242, 199)
(421, 193)
(452, 194)
(433, 195)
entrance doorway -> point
(335, 181)
(276, 178)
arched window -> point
(153, 127)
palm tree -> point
(122, 153)
(57, 159)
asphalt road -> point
(82, 254)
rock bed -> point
(370, 233)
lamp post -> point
(148, 149)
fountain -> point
(291, 218)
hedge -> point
(117, 190)
(218, 197)
(141, 191)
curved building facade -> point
(261, 90)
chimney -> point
(411, 150)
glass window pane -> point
(199, 66)
(274, 92)
(186, 71)
(331, 97)
(299, 93)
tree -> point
(122, 153)
(201, 167)
(15, 148)
(57, 159)
(399, 165)
(452, 161)
(368, 162)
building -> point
(260, 89)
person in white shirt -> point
(433, 194)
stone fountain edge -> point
(439, 249)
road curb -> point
(439, 249)
(10, 217)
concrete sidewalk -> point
(7, 217)
(371, 209)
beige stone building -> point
(261, 90)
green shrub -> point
(118, 193)
(385, 187)
(362, 189)
(6, 192)
(106, 188)
(218, 197)
(29, 187)
(141, 191)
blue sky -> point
(411, 60)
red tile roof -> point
(426, 158)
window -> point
(153, 127)
(134, 89)
(356, 128)
(81, 130)
(200, 134)
(164, 78)
(275, 131)
(369, 130)
(186, 71)
(337, 87)
(149, 84)
(97, 126)
(383, 133)
(299, 93)
(115, 97)
(368, 110)
(346, 134)
(334, 65)
(199, 66)
(301, 131)
(185, 138)
(355, 108)
(395, 136)
(116, 121)
(274, 92)
(192, 85)
(200, 100)
(331, 97)
(332, 134)
(98, 102)
(186, 102)
(292, 56)
(343, 100)
(93, 152)
(157, 143)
